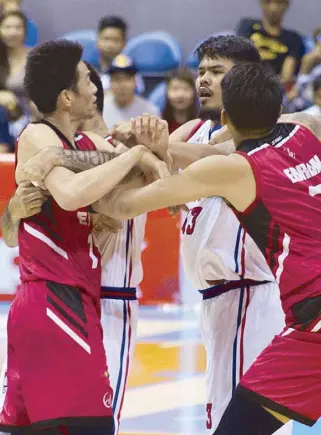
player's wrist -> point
(14, 210)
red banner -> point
(160, 257)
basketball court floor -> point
(166, 390)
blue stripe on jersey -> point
(238, 324)
(122, 351)
(211, 131)
(127, 252)
(237, 247)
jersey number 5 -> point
(93, 257)
(190, 227)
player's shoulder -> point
(99, 142)
(184, 131)
(310, 122)
(38, 136)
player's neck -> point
(239, 138)
(64, 124)
(97, 126)
(273, 29)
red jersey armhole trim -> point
(194, 130)
(254, 170)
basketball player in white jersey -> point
(120, 243)
(241, 310)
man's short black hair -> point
(236, 48)
(113, 21)
(51, 68)
(96, 80)
(252, 96)
(317, 84)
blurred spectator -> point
(13, 56)
(313, 59)
(121, 103)
(280, 48)
(6, 140)
(31, 28)
(111, 40)
(181, 99)
(316, 108)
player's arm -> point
(26, 202)
(312, 122)
(184, 154)
(72, 191)
(230, 177)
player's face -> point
(180, 94)
(122, 85)
(317, 98)
(274, 10)
(12, 32)
(84, 100)
(208, 82)
(110, 42)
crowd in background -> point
(294, 57)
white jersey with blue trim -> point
(213, 244)
(121, 254)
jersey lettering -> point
(304, 171)
(189, 225)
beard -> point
(212, 114)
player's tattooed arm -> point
(26, 202)
(76, 161)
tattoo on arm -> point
(78, 161)
(9, 228)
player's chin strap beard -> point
(212, 114)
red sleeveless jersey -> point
(284, 219)
(57, 245)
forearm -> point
(308, 63)
(79, 161)
(9, 228)
(184, 154)
(82, 189)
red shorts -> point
(57, 371)
(286, 377)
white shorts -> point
(119, 322)
(236, 326)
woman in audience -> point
(181, 100)
(13, 56)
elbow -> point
(68, 201)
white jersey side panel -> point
(213, 244)
(121, 254)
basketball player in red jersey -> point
(273, 183)
(54, 330)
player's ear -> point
(223, 117)
(65, 98)
(281, 110)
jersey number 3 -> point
(189, 224)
